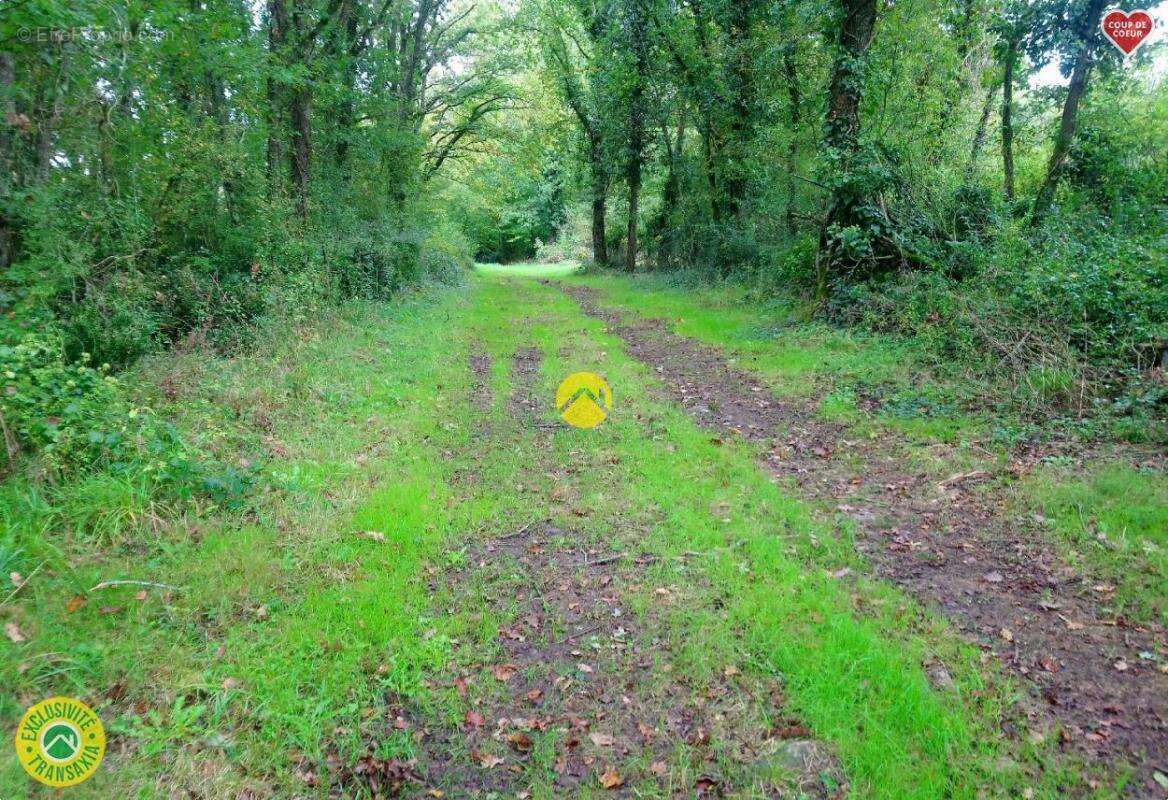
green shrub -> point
(72, 420)
(447, 254)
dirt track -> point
(953, 546)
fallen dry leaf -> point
(521, 742)
(75, 603)
(229, 684)
(731, 671)
(602, 739)
(705, 784)
(658, 768)
(485, 760)
(141, 595)
(1007, 634)
(505, 672)
(611, 779)
(373, 536)
(14, 633)
(534, 694)
(17, 579)
(1120, 666)
(474, 719)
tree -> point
(587, 33)
(1084, 30)
(856, 27)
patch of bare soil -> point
(580, 692)
(480, 370)
(1098, 680)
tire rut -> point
(1095, 680)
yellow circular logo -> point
(60, 742)
(583, 400)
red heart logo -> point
(1127, 31)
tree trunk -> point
(277, 42)
(638, 33)
(795, 99)
(979, 136)
(634, 200)
(347, 23)
(1008, 119)
(843, 129)
(599, 202)
(1070, 116)
(7, 157)
(300, 117)
(741, 101)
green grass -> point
(289, 631)
(530, 270)
(1113, 521)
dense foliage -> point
(178, 171)
(174, 172)
(987, 176)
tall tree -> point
(582, 96)
(638, 36)
(1085, 36)
(856, 25)
(1009, 61)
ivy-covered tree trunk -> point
(1011, 59)
(979, 136)
(1087, 30)
(7, 153)
(277, 21)
(795, 104)
(300, 115)
(345, 46)
(741, 107)
(638, 34)
(842, 137)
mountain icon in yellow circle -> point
(583, 400)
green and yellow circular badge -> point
(583, 400)
(60, 741)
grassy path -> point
(447, 592)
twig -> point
(962, 476)
(12, 447)
(23, 583)
(151, 584)
(519, 532)
(570, 637)
(599, 561)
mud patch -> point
(1096, 678)
(583, 692)
(480, 370)
(525, 405)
